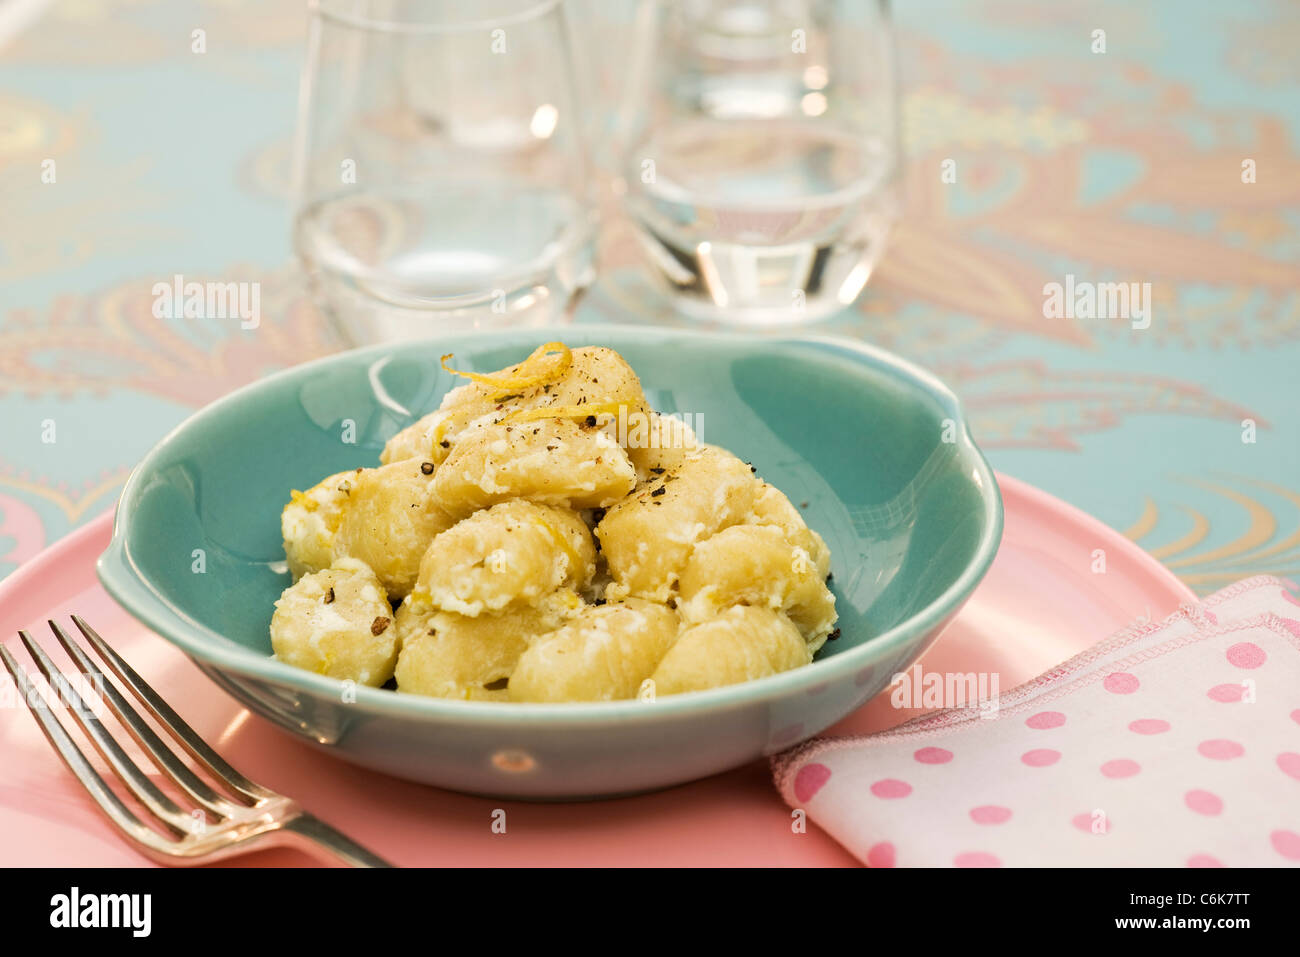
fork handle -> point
(312, 833)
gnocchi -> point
(741, 644)
(509, 554)
(771, 507)
(757, 565)
(657, 443)
(545, 536)
(592, 380)
(552, 461)
(605, 653)
(309, 522)
(337, 622)
(420, 440)
(648, 536)
(447, 655)
(389, 520)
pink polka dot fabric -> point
(1174, 744)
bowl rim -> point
(127, 585)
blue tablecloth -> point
(1125, 165)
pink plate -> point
(1041, 603)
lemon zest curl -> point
(525, 375)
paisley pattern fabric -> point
(1173, 158)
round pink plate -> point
(1041, 603)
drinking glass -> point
(440, 167)
(760, 152)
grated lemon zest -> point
(524, 376)
(455, 417)
(438, 432)
(575, 560)
(308, 503)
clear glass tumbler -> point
(760, 152)
(440, 167)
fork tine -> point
(173, 722)
(144, 790)
(166, 759)
(108, 801)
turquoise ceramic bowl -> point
(877, 449)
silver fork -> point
(216, 827)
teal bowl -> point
(875, 451)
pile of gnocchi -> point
(545, 536)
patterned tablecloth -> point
(1171, 158)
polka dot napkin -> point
(1170, 744)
